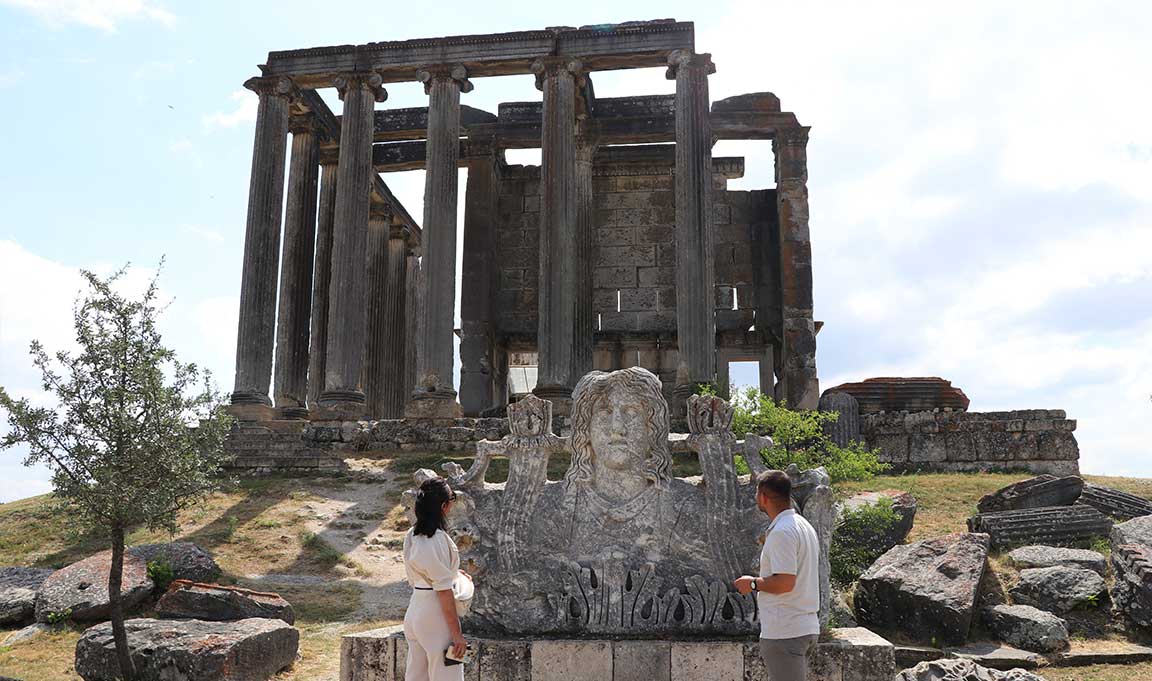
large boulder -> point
(926, 589)
(185, 559)
(903, 504)
(1057, 589)
(80, 590)
(216, 603)
(18, 587)
(1027, 627)
(167, 650)
(1132, 566)
(1051, 556)
(1135, 531)
(962, 670)
(1037, 492)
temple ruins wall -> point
(1037, 440)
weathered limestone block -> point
(1027, 627)
(648, 660)
(161, 650)
(81, 589)
(1055, 525)
(572, 660)
(1131, 590)
(1115, 503)
(18, 587)
(903, 504)
(1057, 589)
(846, 427)
(186, 560)
(700, 660)
(962, 670)
(813, 499)
(1135, 531)
(190, 600)
(1037, 492)
(1049, 556)
(926, 589)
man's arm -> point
(775, 584)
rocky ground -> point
(330, 547)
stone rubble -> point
(1037, 492)
(1027, 627)
(212, 602)
(18, 587)
(962, 670)
(1058, 589)
(1037, 556)
(1115, 503)
(1053, 525)
(185, 559)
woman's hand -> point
(459, 645)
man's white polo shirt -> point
(790, 548)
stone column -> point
(584, 332)
(255, 335)
(695, 316)
(322, 275)
(343, 392)
(434, 395)
(376, 278)
(296, 272)
(558, 78)
(413, 289)
(394, 394)
(800, 386)
(477, 287)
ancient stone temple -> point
(623, 248)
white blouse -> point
(431, 561)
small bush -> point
(860, 538)
(160, 572)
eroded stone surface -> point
(1049, 556)
(18, 587)
(1057, 589)
(81, 589)
(1027, 627)
(1037, 492)
(962, 670)
(926, 589)
(187, 560)
(190, 600)
(163, 650)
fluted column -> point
(255, 334)
(291, 387)
(376, 279)
(478, 281)
(434, 395)
(557, 77)
(394, 337)
(695, 268)
(413, 330)
(583, 338)
(343, 391)
(800, 386)
(322, 275)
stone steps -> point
(1050, 526)
(1114, 503)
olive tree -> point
(133, 436)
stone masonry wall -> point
(1037, 440)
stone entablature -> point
(1037, 440)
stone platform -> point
(854, 654)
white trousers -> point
(428, 638)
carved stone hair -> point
(646, 386)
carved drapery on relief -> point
(619, 546)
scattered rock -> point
(164, 650)
(27, 633)
(81, 589)
(1132, 588)
(1057, 589)
(18, 587)
(962, 670)
(217, 603)
(1114, 503)
(926, 589)
(903, 503)
(1117, 653)
(910, 656)
(187, 560)
(1135, 531)
(1027, 627)
(996, 656)
(1050, 556)
(1053, 525)
(1037, 492)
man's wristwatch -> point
(755, 587)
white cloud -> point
(243, 114)
(101, 14)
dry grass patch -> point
(48, 657)
(1099, 672)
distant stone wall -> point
(406, 435)
(1037, 440)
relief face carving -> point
(620, 545)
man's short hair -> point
(774, 484)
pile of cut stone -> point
(202, 630)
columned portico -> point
(558, 78)
(321, 280)
(254, 340)
(434, 395)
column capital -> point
(301, 124)
(689, 59)
(454, 72)
(399, 232)
(266, 86)
(329, 154)
(379, 212)
(367, 80)
(545, 67)
(791, 137)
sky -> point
(980, 176)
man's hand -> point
(743, 584)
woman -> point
(432, 564)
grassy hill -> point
(329, 545)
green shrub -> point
(799, 437)
(160, 572)
(860, 538)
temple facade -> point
(624, 247)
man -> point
(788, 588)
